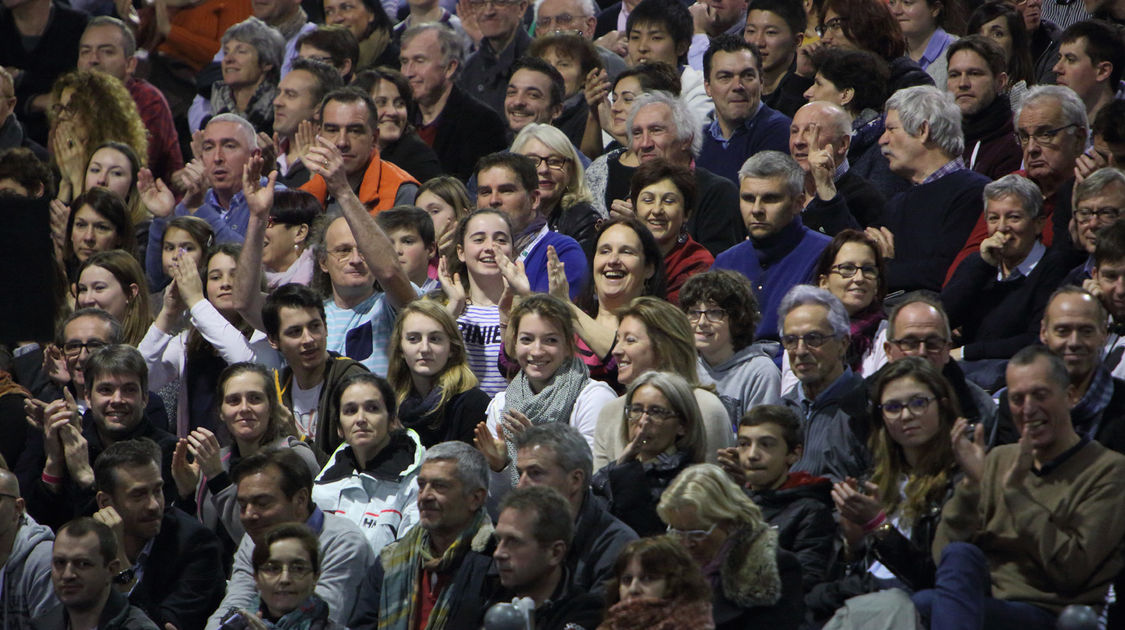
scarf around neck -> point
(554, 403)
(311, 615)
(646, 613)
(989, 121)
(416, 411)
(863, 327)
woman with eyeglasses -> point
(286, 255)
(852, 268)
(889, 522)
(665, 436)
(286, 569)
(996, 297)
(754, 583)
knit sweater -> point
(1053, 541)
(766, 130)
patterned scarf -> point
(259, 111)
(863, 327)
(553, 403)
(403, 562)
(646, 613)
(8, 385)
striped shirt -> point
(480, 327)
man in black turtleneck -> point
(976, 78)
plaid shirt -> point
(950, 167)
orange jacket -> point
(378, 189)
(197, 30)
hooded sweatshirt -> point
(748, 379)
(27, 590)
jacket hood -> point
(801, 485)
(745, 355)
(30, 534)
(400, 457)
(749, 571)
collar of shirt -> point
(1052, 465)
(623, 19)
(952, 166)
(828, 394)
(139, 565)
(842, 169)
(1027, 265)
(938, 43)
(717, 132)
(237, 202)
(1088, 266)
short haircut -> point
(295, 207)
(730, 291)
(1096, 184)
(588, 8)
(658, 170)
(792, 11)
(125, 454)
(472, 469)
(351, 95)
(91, 311)
(116, 360)
(837, 117)
(290, 295)
(520, 165)
(538, 64)
(339, 42)
(864, 72)
(1055, 367)
(780, 415)
(249, 135)
(287, 531)
(86, 525)
(265, 39)
(293, 472)
(653, 76)
(808, 295)
(1070, 289)
(926, 104)
(128, 40)
(1109, 123)
(1018, 186)
(687, 127)
(1071, 107)
(20, 165)
(920, 296)
(572, 451)
(671, 14)
(771, 164)
(1111, 244)
(451, 44)
(728, 43)
(553, 521)
(1104, 42)
(327, 78)
(408, 218)
(985, 47)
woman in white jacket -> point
(371, 478)
(198, 333)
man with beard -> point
(168, 559)
(976, 79)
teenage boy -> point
(723, 314)
(798, 504)
(293, 317)
(411, 231)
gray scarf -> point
(554, 403)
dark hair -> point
(351, 95)
(654, 286)
(199, 230)
(86, 525)
(653, 171)
(553, 521)
(672, 14)
(409, 218)
(983, 46)
(459, 233)
(828, 259)
(1103, 43)
(1111, 244)
(339, 42)
(380, 18)
(327, 78)
(287, 531)
(538, 64)
(1030, 354)
(654, 76)
(390, 401)
(117, 360)
(520, 165)
(733, 293)
(864, 72)
(869, 25)
(129, 153)
(780, 415)
(792, 11)
(293, 474)
(1021, 67)
(92, 311)
(125, 454)
(728, 43)
(20, 165)
(109, 206)
(276, 423)
(1109, 123)
(570, 46)
(370, 78)
(665, 557)
(571, 450)
(295, 207)
(290, 295)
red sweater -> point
(684, 261)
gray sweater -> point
(28, 592)
(748, 379)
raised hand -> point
(303, 139)
(633, 448)
(854, 505)
(822, 166)
(621, 209)
(491, 446)
(70, 155)
(197, 145)
(467, 13)
(884, 238)
(205, 447)
(54, 365)
(596, 90)
(60, 214)
(77, 454)
(1017, 473)
(186, 276)
(324, 158)
(451, 285)
(259, 198)
(992, 248)
(557, 284)
(731, 464)
(155, 195)
(968, 451)
(514, 274)
(514, 423)
(184, 473)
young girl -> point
(657, 586)
(113, 281)
(436, 390)
(446, 200)
(185, 237)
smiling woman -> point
(252, 58)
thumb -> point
(69, 398)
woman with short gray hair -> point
(997, 296)
(252, 59)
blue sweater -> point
(774, 265)
(767, 130)
(570, 254)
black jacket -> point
(759, 584)
(460, 417)
(117, 614)
(327, 409)
(568, 605)
(856, 205)
(413, 155)
(179, 584)
(599, 538)
(802, 511)
(607, 19)
(717, 222)
(579, 222)
(633, 489)
(467, 130)
(789, 95)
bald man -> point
(819, 139)
(25, 555)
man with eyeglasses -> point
(579, 17)
(1108, 285)
(503, 41)
(1098, 202)
(25, 559)
(829, 398)
(1052, 128)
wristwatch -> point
(124, 577)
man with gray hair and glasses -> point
(829, 398)
(434, 574)
(781, 252)
(1097, 201)
(553, 17)
(925, 226)
(557, 456)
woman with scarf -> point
(437, 393)
(852, 268)
(286, 255)
(665, 436)
(252, 56)
(553, 385)
(657, 586)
